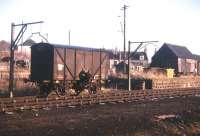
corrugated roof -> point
(180, 51)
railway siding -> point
(28, 103)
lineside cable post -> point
(129, 74)
(13, 45)
(129, 48)
(11, 75)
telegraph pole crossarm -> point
(13, 45)
(31, 23)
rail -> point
(32, 102)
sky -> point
(97, 23)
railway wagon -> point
(58, 67)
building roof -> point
(196, 57)
(4, 46)
(180, 51)
(28, 42)
(114, 54)
(133, 56)
(136, 55)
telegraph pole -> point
(124, 56)
(124, 9)
(13, 45)
(69, 34)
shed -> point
(174, 56)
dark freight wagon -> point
(60, 66)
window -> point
(142, 57)
(139, 68)
(115, 62)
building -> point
(114, 57)
(197, 57)
(4, 49)
(21, 56)
(176, 57)
(138, 61)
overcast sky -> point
(96, 23)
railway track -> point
(31, 102)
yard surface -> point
(170, 117)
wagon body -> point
(52, 62)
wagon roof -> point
(76, 47)
(69, 47)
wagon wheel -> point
(60, 90)
(77, 92)
(44, 90)
(93, 88)
(78, 86)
